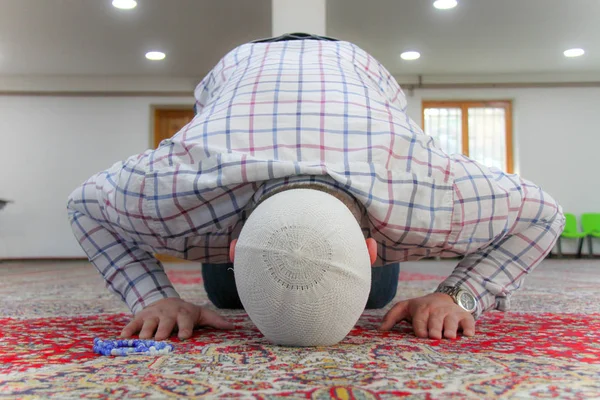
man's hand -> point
(164, 315)
(431, 316)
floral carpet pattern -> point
(547, 346)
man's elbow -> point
(74, 198)
(83, 199)
(552, 217)
(556, 214)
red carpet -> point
(547, 347)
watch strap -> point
(453, 292)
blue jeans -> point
(219, 283)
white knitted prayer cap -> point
(302, 268)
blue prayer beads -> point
(131, 347)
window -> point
(481, 130)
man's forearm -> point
(494, 272)
(132, 273)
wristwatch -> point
(462, 297)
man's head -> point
(302, 268)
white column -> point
(306, 16)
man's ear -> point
(232, 250)
(372, 247)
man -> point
(301, 111)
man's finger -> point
(468, 326)
(211, 318)
(394, 315)
(149, 328)
(165, 328)
(132, 327)
(450, 326)
(185, 325)
(435, 325)
(420, 321)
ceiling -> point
(90, 37)
(478, 36)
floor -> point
(547, 346)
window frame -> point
(464, 105)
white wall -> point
(50, 145)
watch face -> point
(467, 301)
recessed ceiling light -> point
(574, 52)
(445, 4)
(155, 55)
(410, 55)
(124, 4)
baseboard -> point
(160, 257)
(574, 257)
(173, 259)
(41, 259)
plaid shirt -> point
(320, 113)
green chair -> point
(590, 222)
(571, 232)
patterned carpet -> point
(548, 346)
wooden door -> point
(167, 122)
